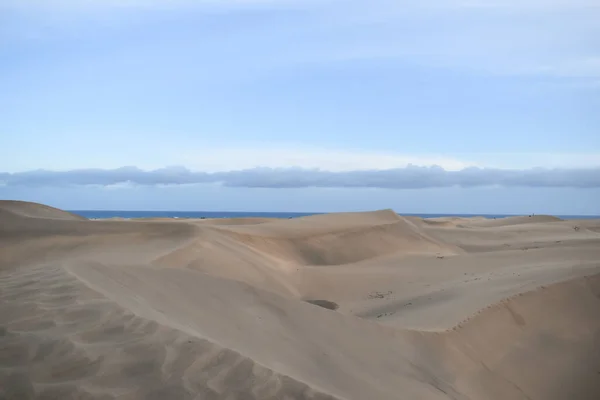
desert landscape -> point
(348, 306)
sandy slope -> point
(201, 309)
(26, 209)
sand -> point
(339, 306)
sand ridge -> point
(26, 209)
(221, 309)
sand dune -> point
(236, 221)
(26, 209)
(221, 309)
(340, 239)
(508, 221)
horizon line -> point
(336, 212)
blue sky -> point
(302, 105)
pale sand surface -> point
(444, 308)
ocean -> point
(97, 214)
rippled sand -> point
(339, 306)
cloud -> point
(221, 159)
(198, 157)
(410, 177)
(581, 68)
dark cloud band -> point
(411, 177)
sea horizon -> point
(130, 214)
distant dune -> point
(509, 221)
(34, 210)
(337, 306)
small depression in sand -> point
(340, 306)
(330, 305)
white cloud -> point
(536, 160)
(225, 159)
(583, 67)
(285, 155)
(121, 185)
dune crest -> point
(338, 306)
